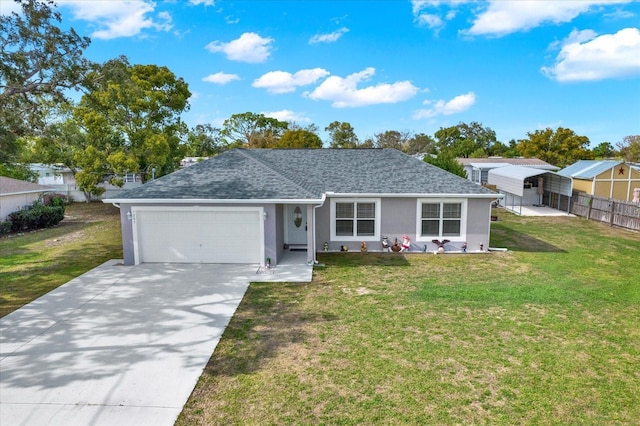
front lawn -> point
(547, 333)
(34, 263)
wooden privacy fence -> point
(614, 212)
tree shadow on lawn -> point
(519, 241)
(45, 274)
(263, 326)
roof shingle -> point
(281, 174)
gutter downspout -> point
(313, 220)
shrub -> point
(38, 216)
(5, 227)
(55, 200)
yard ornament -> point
(363, 246)
(440, 245)
(636, 195)
(396, 247)
(385, 244)
(406, 243)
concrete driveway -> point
(119, 345)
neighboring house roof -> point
(303, 174)
(588, 169)
(10, 186)
(496, 161)
(487, 166)
(56, 168)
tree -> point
(299, 138)
(366, 144)
(342, 135)
(132, 113)
(392, 139)
(630, 148)
(65, 142)
(204, 140)
(128, 121)
(560, 147)
(420, 144)
(499, 149)
(446, 161)
(463, 140)
(252, 130)
(603, 150)
(39, 63)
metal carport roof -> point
(511, 179)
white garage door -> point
(223, 235)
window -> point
(354, 220)
(440, 219)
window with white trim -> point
(353, 220)
(441, 219)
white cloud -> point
(288, 116)
(285, 82)
(220, 78)
(430, 20)
(250, 47)
(118, 19)
(343, 92)
(204, 2)
(456, 105)
(328, 38)
(584, 56)
(429, 13)
(505, 17)
(7, 7)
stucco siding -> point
(478, 224)
(11, 203)
(279, 230)
(323, 219)
(399, 218)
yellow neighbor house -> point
(604, 178)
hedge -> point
(36, 217)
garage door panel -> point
(202, 236)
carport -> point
(526, 186)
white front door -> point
(296, 224)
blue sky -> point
(417, 66)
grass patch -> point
(34, 263)
(547, 333)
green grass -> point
(35, 263)
(547, 333)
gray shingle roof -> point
(281, 174)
